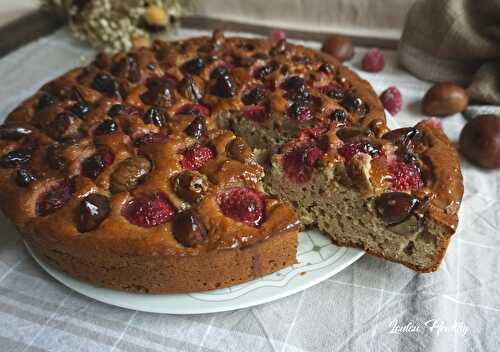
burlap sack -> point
(455, 40)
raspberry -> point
(256, 113)
(434, 122)
(196, 156)
(316, 134)
(348, 150)
(194, 109)
(54, 198)
(107, 156)
(392, 100)
(277, 35)
(312, 132)
(299, 162)
(149, 210)
(300, 111)
(242, 204)
(405, 177)
(373, 61)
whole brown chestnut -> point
(188, 229)
(479, 141)
(190, 185)
(239, 150)
(129, 173)
(395, 207)
(338, 46)
(444, 99)
(197, 128)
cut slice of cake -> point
(390, 196)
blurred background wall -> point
(13, 9)
(364, 18)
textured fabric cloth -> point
(455, 40)
(372, 305)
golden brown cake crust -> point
(139, 113)
(167, 273)
(447, 187)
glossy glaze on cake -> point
(125, 172)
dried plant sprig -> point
(116, 25)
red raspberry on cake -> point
(196, 156)
(300, 111)
(242, 204)
(348, 150)
(194, 109)
(54, 198)
(149, 210)
(300, 159)
(334, 91)
(313, 132)
(405, 177)
(256, 113)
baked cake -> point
(177, 168)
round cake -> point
(190, 166)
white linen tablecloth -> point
(372, 305)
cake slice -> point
(395, 197)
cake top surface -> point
(113, 140)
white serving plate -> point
(318, 259)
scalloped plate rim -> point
(185, 304)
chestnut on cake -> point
(182, 167)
